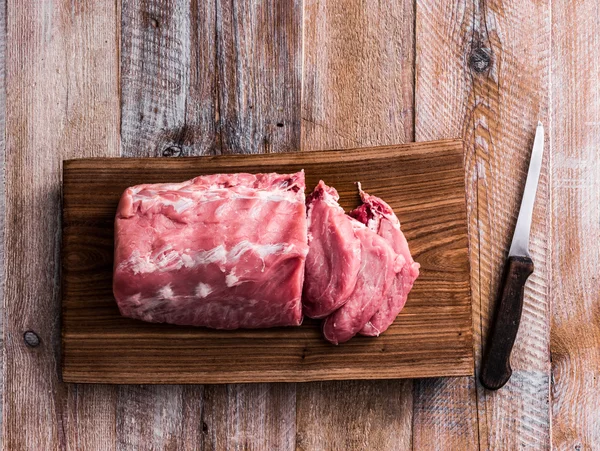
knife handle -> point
(496, 370)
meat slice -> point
(376, 272)
(223, 251)
(380, 218)
(333, 256)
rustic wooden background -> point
(187, 77)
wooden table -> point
(181, 77)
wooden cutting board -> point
(432, 336)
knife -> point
(496, 370)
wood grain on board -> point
(484, 75)
(423, 182)
(62, 102)
(575, 258)
(357, 91)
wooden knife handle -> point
(496, 370)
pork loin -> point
(225, 251)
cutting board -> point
(423, 182)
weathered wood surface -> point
(575, 226)
(210, 77)
(484, 76)
(2, 191)
(62, 101)
(445, 410)
(506, 101)
(44, 124)
(357, 91)
(422, 182)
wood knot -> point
(480, 59)
(31, 339)
(172, 151)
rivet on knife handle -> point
(496, 370)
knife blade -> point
(496, 369)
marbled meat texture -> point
(225, 251)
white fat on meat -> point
(169, 259)
(203, 290)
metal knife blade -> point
(520, 243)
(496, 369)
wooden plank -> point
(62, 99)
(259, 61)
(208, 78)
(357, 91)
(445, 410)
(259, 58)
(575, 262)
(423, 182)
(159, 417)
(361, 421)
(358, 74)
(2, 192)
(169, 105)
(169, 78)
(89, 418)
(250, 416)
(496, 84)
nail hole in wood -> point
(480, 59)
(31, 339)
(279, 124)
(154, 22)
(204, 427)
(172, 151)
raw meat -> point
(223, 251)
(333, 254)
(377, 270)
(380, 218)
